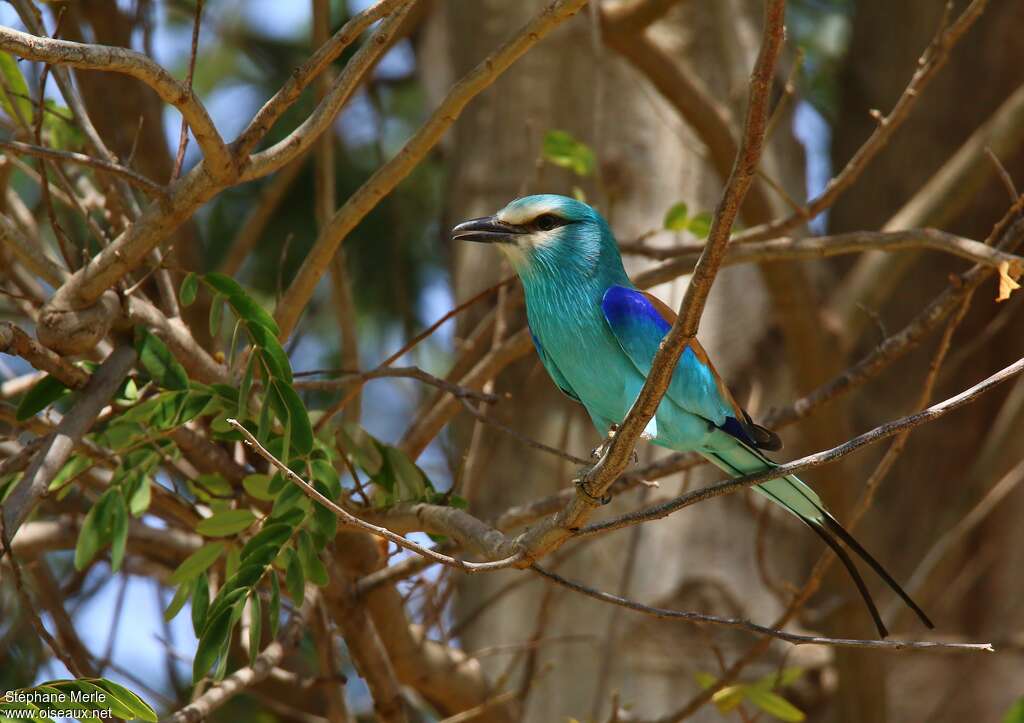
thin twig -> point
(179, 157)
(350, 519)
(750, 627)
(133, 177)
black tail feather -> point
(844, 557)
(835, 528)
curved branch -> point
(129, 62)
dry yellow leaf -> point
(1008, 276)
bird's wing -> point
(638, 321)
(556, 375)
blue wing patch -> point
(639, 326)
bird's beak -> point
(486, 230)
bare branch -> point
(15, 341)
(136, 179)
(219, 694)
(75, 424)
(122, 60)
(750, 627)
(389, 175)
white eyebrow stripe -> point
(522, 214)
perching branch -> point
(596, 483)
(812, 460)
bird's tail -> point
(796, 497)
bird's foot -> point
(598, 452)
(581, 485)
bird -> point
(596, 335)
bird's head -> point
(547, 236)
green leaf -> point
(257, 486)
(157, 360)
(71, 469)
(774, 704)
(255, 627)
(231, 562)
(119, 529)
(274, 610)
(59, 124)
(216, 315)
(288, 499)
(361, 447)
(200, 603)
(197, 562)
(302, 429)
(215, 636)
(140, 497)
(410, 482)
(138, 708)
(194, 405)
(271, 352)
(728, 698)
(178, 601)
(700, 225)
(562, 149)
(96, 529)
(325, 474)
(312, 566)
(243, 304)
(265, 545)
(189, 289)
(294, 578)
(245, 389)
(225, 523)
(42, 394)
(14, 91)
(676, 217)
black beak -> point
(488, 230)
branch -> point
(306, 134)
(30, 253)
(15, 341)
(268, 659)
(107, 58)
(812, 460)
(136, 179)
(75, 424)
(933, 59)
(396, 372)
(349, 519)
(900, 343)
(682, 257)
(750, 627)
(302, 76)
(384, 180)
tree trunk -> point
(943, 472)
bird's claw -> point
(598, 452)
(582, 487)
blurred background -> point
(629, 116)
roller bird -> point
(596, 335)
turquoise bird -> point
(596, 335)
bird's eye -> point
(547, 221)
